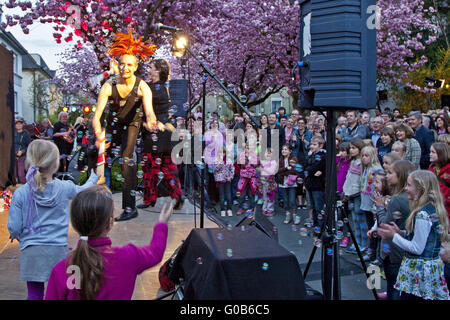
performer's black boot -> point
(179, 204)
(127, 215)
(144, 206)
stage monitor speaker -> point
(237, 264)
(178, 90)
(7, 162)
(337, 54)
(262, 223)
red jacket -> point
(444, 175)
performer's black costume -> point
(123, 123)
(160, 173)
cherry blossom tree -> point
(252, 47)
(251, 44)
(405, 31)
(95, 22)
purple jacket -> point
(121, 267)
(341, 170)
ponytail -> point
(42, 157)
(90, 262)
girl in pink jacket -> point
(95, 270)
(248, 180)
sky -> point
(40, 40)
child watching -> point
(382, 189)
(384, 144)
(370, 167)
(352, 193)
(342, 165)
(396, 209)
(248, 180)
(399, 148)
(315, 172)
(287, 183)
(223, 174)
(38, 216)
(440, 166)
(421, 274)
(268, 184)
(107, 273)
(389, 159)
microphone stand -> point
(202, 187)
(207, 71)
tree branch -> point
(151, 13)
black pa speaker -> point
(262, 223)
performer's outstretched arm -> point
(105, 93)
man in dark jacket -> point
(21, 140)
(272, 125)
(424, 136)
(354, 130)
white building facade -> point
(8, 41)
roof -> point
(29, 61)
(13, 41)
(35, 62)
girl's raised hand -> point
(378, 199)
(166, 212)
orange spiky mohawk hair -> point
(125, 43)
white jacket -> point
(352, 184)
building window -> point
(16, 63)
(276, 104)
(15, 103)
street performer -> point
(160, 173)
(126, 96)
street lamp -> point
(180, 42)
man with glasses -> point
(295, 115)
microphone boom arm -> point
(232, 96)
